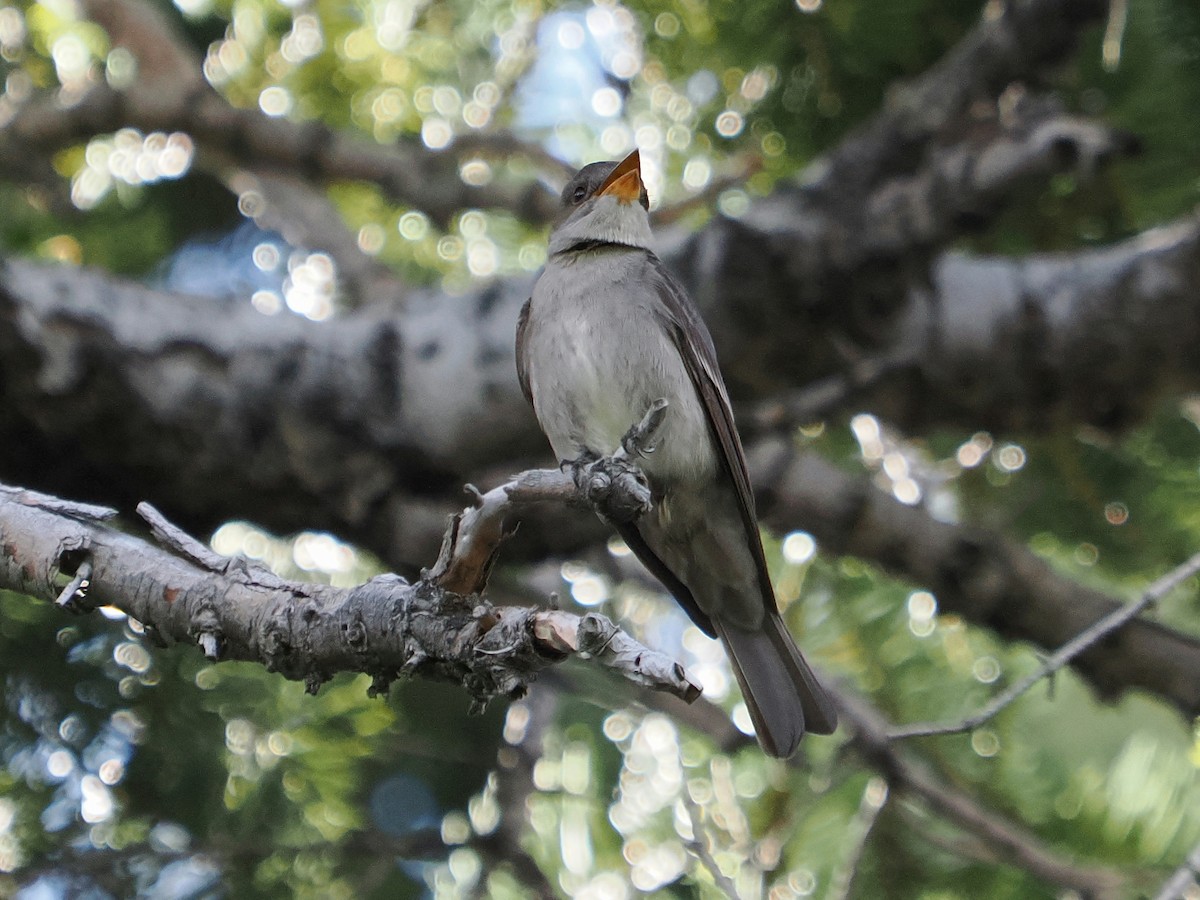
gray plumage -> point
(607, 331)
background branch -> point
(1085, 640)
(987, 578)
(1012, 843)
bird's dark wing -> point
(634, 540)
(682, 321)
(522, 352)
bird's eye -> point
(579, 193)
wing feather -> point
(682, 321)
(523, 351)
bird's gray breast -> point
(598, 356)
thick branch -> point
(962, 187)
(798, 259)
(386, 628)
(898, 162)
(1097, 337)
(170, 95)
(1014, 41)
(416, 401)
(365, 424)
(985, 577)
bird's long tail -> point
(781, 692)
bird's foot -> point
(613, 485)
(577, 468)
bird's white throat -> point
(608, 220)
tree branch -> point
(827, 228)
(1013, 41)
(362, 424)
(962, 187)
(613, 486)
(1011, 842)
(386, 628)
(420, 399)
(171, 95)
(985, 577)
(1085, 640)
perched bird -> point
(607, 332)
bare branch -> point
(698, 845)
(469, 547)
(354, 423)
(613, 486)
(386, 628)
(962, 187)
(1091, 636)
(85, 512)
(874, 796)
(1009, 840)
(76, 591)
(179, 541)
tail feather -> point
(783, 695)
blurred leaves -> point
(156, 760)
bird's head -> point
(605, 201)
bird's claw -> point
(579, 467)
(639, 439)
(615, 487)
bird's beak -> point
(625, 181)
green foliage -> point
(181, 756)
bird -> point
(607, 332)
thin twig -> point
(179, 541)
(699, 846)
(1081, 642)
(75, 592)
(175, 538)
(874, 796)
(85, 512)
